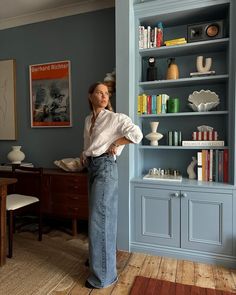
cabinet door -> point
(206, 222)
(156, 217)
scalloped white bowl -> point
(69, 164)
(203, 107)
(203, 96)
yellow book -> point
(144, 104)
(176, 40)
(159, 103)
(175, 43)
(140, 104)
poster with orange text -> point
(50, 94)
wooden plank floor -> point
(180, 271)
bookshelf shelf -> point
(182, 82)
(185, 49)
(185, 114)
(169, 147)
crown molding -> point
(50, 14)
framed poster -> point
(50, 94)
(7, 100)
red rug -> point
(148, 286)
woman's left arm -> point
(131, 134)
(129, 130)
(120, 141)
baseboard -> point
(184, 254)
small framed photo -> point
(50, 94)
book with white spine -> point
(203, 143)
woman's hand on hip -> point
(112, 150)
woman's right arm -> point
(83, 158)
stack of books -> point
(152, 104)
(8, 166)
(177, 41)
(212, 165)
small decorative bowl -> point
(203, 96)
(203, 100)
(203, 107)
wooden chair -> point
(24, 194)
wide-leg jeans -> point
(103, 207)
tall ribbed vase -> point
(154, 136)
(16, 156)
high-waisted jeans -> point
(103, 207)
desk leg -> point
(3, 194)
(74, 226)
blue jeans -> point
(103, 206)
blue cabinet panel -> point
(190, 220)
(206, 222)
(157, 217)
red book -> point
(149, 104)
(226, 166)
(221, 175)
(207, 165)
(210, 165)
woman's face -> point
(100, 97)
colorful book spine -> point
(210, 165)
(204, 163)
(164, 98)
(207, 166)
(141, 35)
(149, 104)
(221, 169)
(148, 37)
(226, 166)
(216, 165)
(159, 103)
(154, 104)
(144, 104)
(199, 166)
(140, 104)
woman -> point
(105, 134)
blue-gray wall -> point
(88, 41)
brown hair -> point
(92, 89)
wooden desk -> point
(4, 182)
(64, 194)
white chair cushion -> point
(16, 201)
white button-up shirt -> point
(108, 127)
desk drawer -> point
(69, 184)
(69, 210)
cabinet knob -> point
(176, 195)
(184, 195)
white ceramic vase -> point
(201, 66)
(16, 156)
(154, 136)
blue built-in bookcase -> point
(187, 219)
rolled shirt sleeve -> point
(129, 130)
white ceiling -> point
(19, 12)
